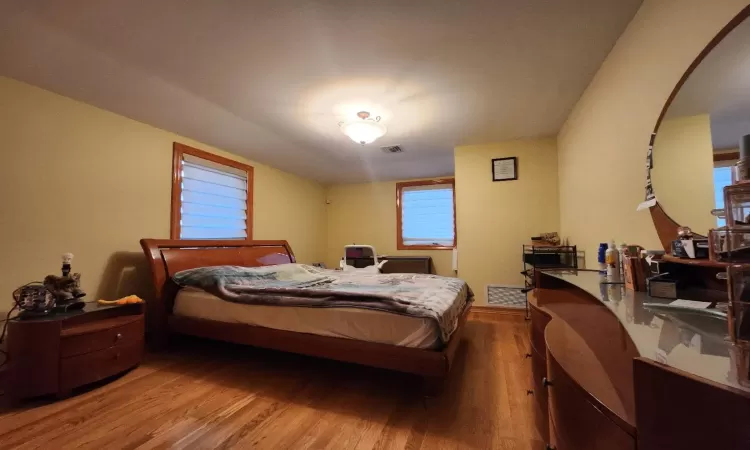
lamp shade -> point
(363, 131)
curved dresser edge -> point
(626, 423)
(605, 399)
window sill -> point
(424, 247)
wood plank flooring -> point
(214, 395)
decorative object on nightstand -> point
(67, 288)
(130, 299)
(56, 353)
(55, 293)
(33, 300)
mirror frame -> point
(666, 227)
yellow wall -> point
(494, 219)
(602, 146)
(683, 151)
(366, 214)
(75, 178)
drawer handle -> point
(529, 392)
(546, 382)
(118, 336)
(528, 355)
(549, 447)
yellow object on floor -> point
(121, 301)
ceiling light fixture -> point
(363, 130)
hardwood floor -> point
(214, 395)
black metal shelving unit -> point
(543, 257)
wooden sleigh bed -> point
(167, 257)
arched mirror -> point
(700, 135)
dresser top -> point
(88, 307)
(694, 343)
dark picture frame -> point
(496, 176)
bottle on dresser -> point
(612, 259)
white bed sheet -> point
(351, 323)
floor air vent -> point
(506, 296)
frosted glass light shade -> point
(363, 131)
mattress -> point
(350, 323)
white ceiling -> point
(270, 80)
(720, 86)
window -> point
(722, 178)
(426, 215)
(212, 197)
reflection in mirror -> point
(698, 141)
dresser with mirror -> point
(699, 135)
(611, 369)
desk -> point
(611, 374)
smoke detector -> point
(392, 149)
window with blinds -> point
(426, 215)
(214, 196)
(722, 178)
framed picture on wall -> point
(505, 169)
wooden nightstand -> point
(55, 354)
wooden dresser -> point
(608, 373)
(55, 354)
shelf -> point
(695, 262)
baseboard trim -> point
(489, 309)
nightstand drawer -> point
(103, 334)
(87, 368)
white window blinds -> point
(213, 201)
(722, 178)
(427, 215)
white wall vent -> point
(392, 149)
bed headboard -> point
(169, 256)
